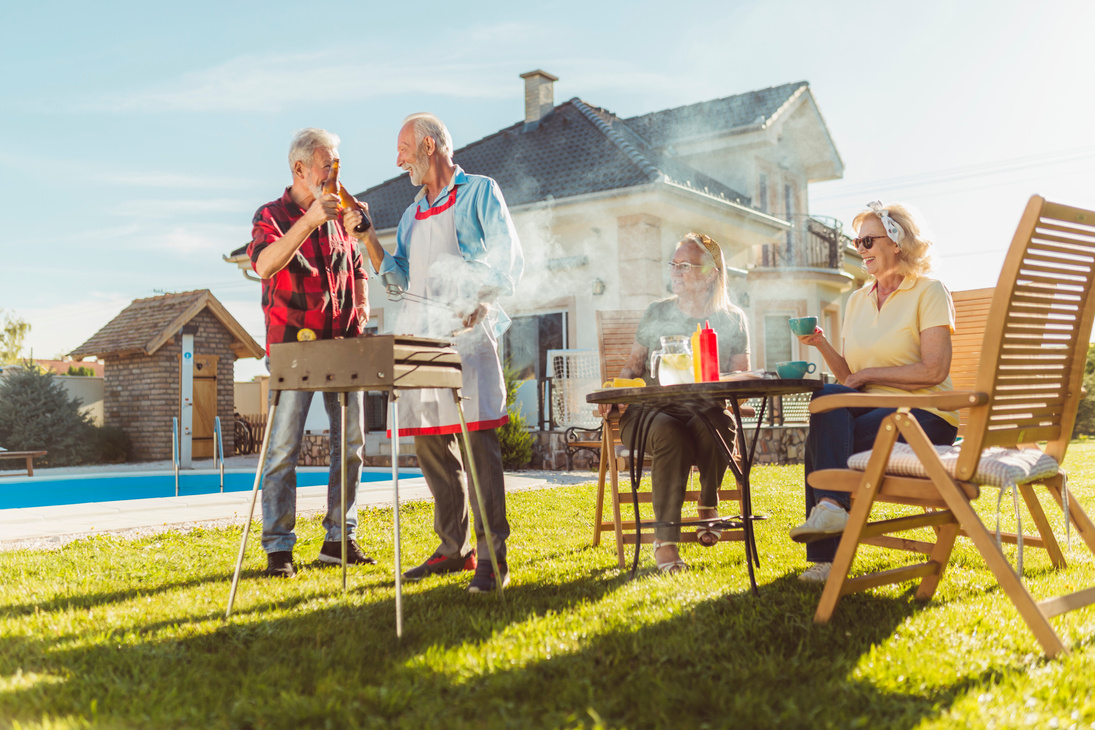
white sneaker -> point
(822, 523)
(816, 573)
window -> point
(762, 192)
(524, 347)
(777, 340)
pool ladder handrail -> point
(175, 451)
(218, 450)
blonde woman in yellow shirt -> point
(896, 338)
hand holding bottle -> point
(356, 213)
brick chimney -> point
(539, 97)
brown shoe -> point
(279, 564)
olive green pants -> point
(442, 460)
(676, 440)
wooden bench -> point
(28, 455)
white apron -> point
(438, 273)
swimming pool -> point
(47, 491)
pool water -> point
(47, 491)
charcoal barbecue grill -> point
(373, 362)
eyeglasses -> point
(867, 242)
(685, 267)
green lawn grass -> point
(109, 633)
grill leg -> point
(254, 496)
(395, 516)
(342, 398)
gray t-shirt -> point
(663, 318)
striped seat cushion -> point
(999, 467)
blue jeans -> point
(279, 476)
(835, 435)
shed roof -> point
(146, 325)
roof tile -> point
(139, 324)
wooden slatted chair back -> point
(615, 337)
(971, 313)
(1036, 337)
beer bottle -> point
(330, 185)
(349, 201)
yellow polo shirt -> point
(889, 337)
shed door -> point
(205, 405)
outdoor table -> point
(652, 399)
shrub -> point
(1085, 414)
(112, 444)
(36, 413)
(515, 440)
(83, 371)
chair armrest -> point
(945, 401)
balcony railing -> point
(812, 242)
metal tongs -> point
(398, 294)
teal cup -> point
(803, 325)
(794, 369)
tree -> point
(36, 413)
(515, 441)
(12, 335)
(1085, 414)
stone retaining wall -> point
(315, 450)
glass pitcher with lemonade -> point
(672, 363)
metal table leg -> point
(254, 497)
(741, 474)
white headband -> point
(893, 229)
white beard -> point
(418, 171)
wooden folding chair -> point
(615, 337)
(1027, 390)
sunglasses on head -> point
(867, 242)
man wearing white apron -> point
(456, 252)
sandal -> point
(674, 565)
(706, 535)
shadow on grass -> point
(560, 654)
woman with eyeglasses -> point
(677, 438)
(896, 339)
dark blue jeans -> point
(835, 435)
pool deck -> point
(54, 526)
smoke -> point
(552, 271)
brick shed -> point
(142, 349)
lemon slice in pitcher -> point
(677, 361)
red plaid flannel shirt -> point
(315, 290)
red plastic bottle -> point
(709, 354)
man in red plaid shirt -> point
(313, 287)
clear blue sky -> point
(137, 139)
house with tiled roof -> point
(142, 354)
(600, 201)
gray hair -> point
(307, 141)
(428, 125)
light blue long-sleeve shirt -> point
(484, 233)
